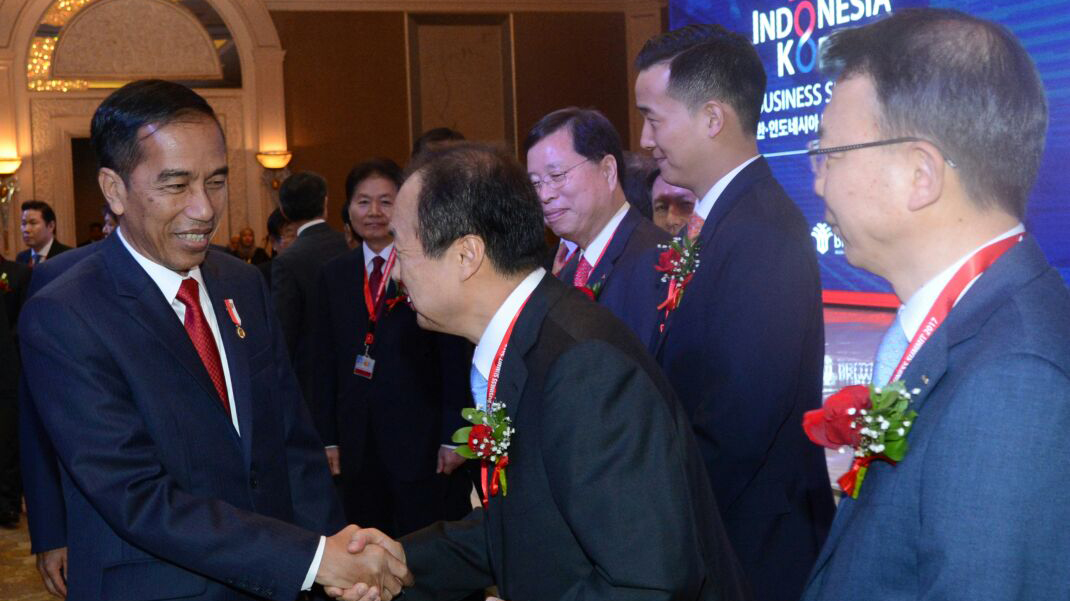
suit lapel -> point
(617, 244)
(220, 289)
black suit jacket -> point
(169, 500)
(18, 283)
(294, 277)
(607, 495)
(626, 271)
(57, 248)
(745, 352)
(413, 402)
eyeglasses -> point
(556, 179)
(818, 155)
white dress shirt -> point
(308, 225)
(912, 314)
(169, 281)
(41, 255)
(369, 256)
(704, 206)
(499, 324)
(594, 250)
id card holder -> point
(364, 367)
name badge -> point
(364, 367)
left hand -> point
(448, 460)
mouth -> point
(553, 215)
(195, 241)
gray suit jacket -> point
(977, 509)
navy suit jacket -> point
(56, 248)
(745, 352)
(607, 499)
(976, 510)
(413, 403)
(45, 509)
(169, 500)
(626, 271)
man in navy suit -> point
(745, 347)
(189, 465)
(933, 201)
(39, 233)
(385, 428)
(575, 160)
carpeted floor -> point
(18, 576)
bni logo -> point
(825, 240)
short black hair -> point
(302, 196)
(963, 83)
(275, 221)
(593, 136)
(435, 136)
(474, 189)
(710, 62)
(380, 167)
(638, 182)
(115, 125)
(39, 205)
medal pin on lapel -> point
(234, 317)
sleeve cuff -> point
(310, 578)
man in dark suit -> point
(295, 273)
(386, 430)
(39, 233)
(575, 161)
(934, 204)
(744, 349)
(606, 494)
(10, 493)
(188, 462)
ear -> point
(471, 252)
(712, 116)
(928, 174)
(608, 166)
(114, 189)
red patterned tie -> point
(376, 278)
(583, 272)
(201, 335)
(694, 225)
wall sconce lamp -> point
(275, 161)
(9, 184)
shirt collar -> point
(44, 249)
(913, 313)
(594, 250)
(370, 254)
(308, 225)
(167, 280)
(495, 331)
(704, 206)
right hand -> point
(373, 566)
(52, 565)
(333, 460)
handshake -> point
(363, 565)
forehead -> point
(189, 139)
(375, 184)
(651, 85)
(553, 149)
(32, 214)
(853, 110)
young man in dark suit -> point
(744, 348)
(39, 233)
(928, 151)
(189, 465)
(605, 496)
(575, 161)
(387, 428)
(295, 272)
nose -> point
(199, 204)
(546, 193)
(376, 208)
(646, 139)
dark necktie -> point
(201, 336)
(376, 278)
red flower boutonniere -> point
(872, 421)
(402, 296)
(5, 284)
(593, 291)
(487, 439)
(677, 264)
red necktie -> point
(376, 278)
(694, 225)
(583, 272)
(201, 336)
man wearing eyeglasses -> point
(928, 151)
(575, 160)
(744, 349)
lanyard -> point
(492, 391)
(375, 307)
(970, 270)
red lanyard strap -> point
(375, 307)
(970, 270)
(499, 357)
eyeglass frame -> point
(556, 180)
(818, 160)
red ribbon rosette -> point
(479, 440)
(667, 260)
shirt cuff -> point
(331, 446)
(451, 447)
(310, 578)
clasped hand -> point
(363, 564)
